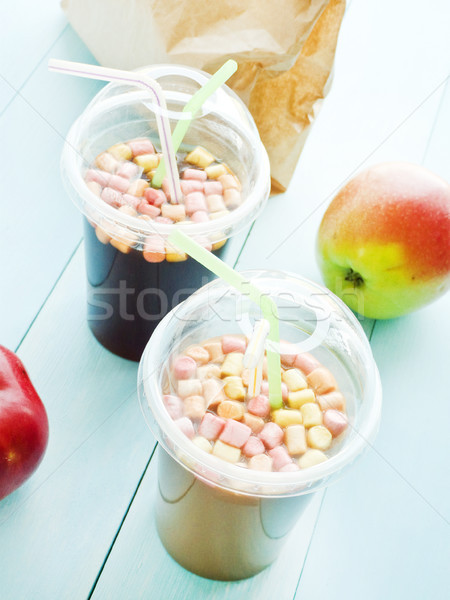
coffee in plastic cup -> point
(223, 520)
(127, 294)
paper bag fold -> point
(285, 51)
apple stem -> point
(354, 277)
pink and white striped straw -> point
(141, 80)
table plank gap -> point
(49, 294)
(310, 541)
(121, 524)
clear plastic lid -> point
(121, 112)
(304, 308)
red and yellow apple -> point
(23, 424)
(384, 241)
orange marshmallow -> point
(231, 409)
(332, 400)
(214, 350)
(194, 407)
(260, 462)
(321, 380)
(199, 354)
(255, 423)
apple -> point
(23, 424)
(384, 242)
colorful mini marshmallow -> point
(209, 399)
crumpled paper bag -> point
(284, 48)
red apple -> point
(23, 424)
(384, 241)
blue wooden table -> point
(82, 525)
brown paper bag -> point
(284, 48)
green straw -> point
(236, 280)
(193, 106)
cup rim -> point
(271, 483)
(71, 167)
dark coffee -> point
(128, 296)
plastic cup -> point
(128, 296)
(220, 520)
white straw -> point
(254, 356)
(142, 80)
(254, 379)
(255, 348)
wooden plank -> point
(387, 521)
(56, 530)
(389, 516)
(39, 226)
(29, 29)
(139, 566)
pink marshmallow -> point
(306, 363)
(184, 367)
(191, 185)
(280, 457)
(112, 197)
(197, 174)
(212, 187)
(165, 220)
(174, 406)
(271, 435)
(131, 200)
(211, 426)
(253, 446)
(155, 197)
(101, 177)
(149, 209)
(259, 406)
(232, 343)
(194, 202)
(129, 170)
(186, 426)
(141, 146)
(290, 467)
(235, 433)
(200, 216)
(334, 421)
(121, 184)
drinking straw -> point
(193, 106)
(255, 348)
(141, 80)
(236, 280)
(255, 379)
(254, 356)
